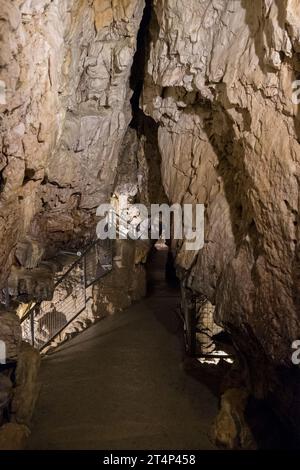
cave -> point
(149, 224)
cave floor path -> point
(122, 384)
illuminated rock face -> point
(219, 84)
(65, 70)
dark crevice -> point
(139, 63)
(145, 127)
(28, 176)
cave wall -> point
(65, 66)
(218, 83)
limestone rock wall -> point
(65, 107)
(219, 84)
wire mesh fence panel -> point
(48, 319)
(98, 261)
(26, 330)
(68, 301)
(206, 327)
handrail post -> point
(84, 277)
(32, 326)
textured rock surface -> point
(219, 84)
(10, 334)
(230, 428)
(26, 384)
(65, 67)
(13, 436)
(31, 284)
(125, 284)
(5, 394)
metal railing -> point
(46, 320)
(204, 340)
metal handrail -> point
(60, 280)
(43, 322)
(34, 315)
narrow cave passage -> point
(121, 384)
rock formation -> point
(65, 68)
(219, 83)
